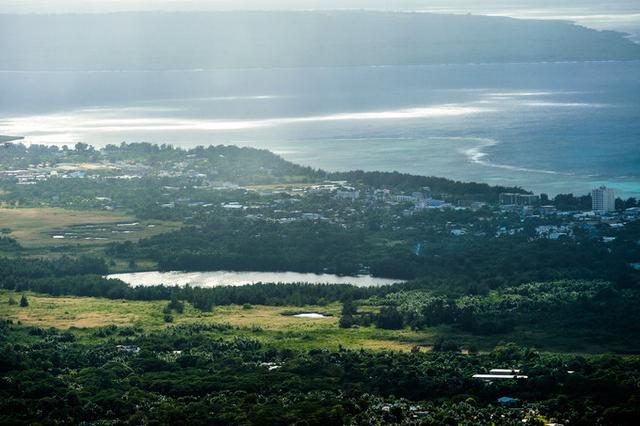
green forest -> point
(480, 286)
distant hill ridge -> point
(4, 138)
(169, 41)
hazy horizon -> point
(618, 15)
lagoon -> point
(548, 127)
(232, 278)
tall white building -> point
(603, 199)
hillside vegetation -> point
(161, 41)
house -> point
(503, 371)
(128, 348)
(553, 232)
(348, 194)
(548, 210)
(270, 365)
(500, 374)
(515, 199)
(430, 203)
(311, 216)
(508, 402)
(403, 198)
(632, 212)
(234, 205)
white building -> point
(513, 199)
(348, 194)
(403, 198)
(430, 203)
(603, 200)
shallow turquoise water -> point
(550, 127)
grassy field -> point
(33, 227)
(265, 323)
(272, 325)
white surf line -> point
(477, 155)
(564, 104)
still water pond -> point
(230, 278)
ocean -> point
(547, 127)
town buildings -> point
(513, 199)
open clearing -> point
(275, 325)
(33, 227)
(265, 323)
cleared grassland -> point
(265, 323)
(32, 227)
(271, 324)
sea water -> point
(548, 127)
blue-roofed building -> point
(506, 401)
